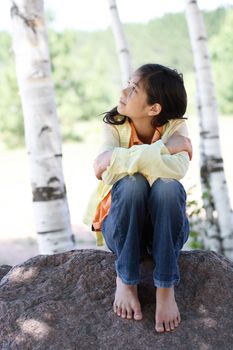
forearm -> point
(152, 161)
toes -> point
(115, 308)
(129, 314)
(179, 318)
(137, 315)
(159, 327)
(123, 313)
(167, 326)
(176, 322)
(118, 311)
(172, 325)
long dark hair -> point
(162, 85)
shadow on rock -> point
(64, 301)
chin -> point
(120, 109)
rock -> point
(64, 302)
(4, 269)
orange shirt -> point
(104, 207)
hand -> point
(101, 163)
(178, 143)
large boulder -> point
(64, 302)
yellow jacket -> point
(152, 161)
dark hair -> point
(162, 85)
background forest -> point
(87, 76)
(87, 79)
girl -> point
(140, 205)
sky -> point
(94, 14)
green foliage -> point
(86, 72)
(164, 40)
(11, 118)
(196, 221)
(222, 54)
(80, 79)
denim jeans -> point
(144, 217)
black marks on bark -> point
(124, 51)
(58, 155)
(201, 38)
(211, 165)
(48, 193)
(51, 231)
(204, 133)
(52, 180)
(43, 129)
(31, 23)
(53, 191)
(213, 137)
(113, 7)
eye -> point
(131, 86)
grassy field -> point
(17, 230)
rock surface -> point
(64, 302)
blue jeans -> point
(147, 218)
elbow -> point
(183, 171)
(98, 171)
(98, 175)
(182, 166)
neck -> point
(145, 131)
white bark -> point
(210, 229)
(212, 171)
(42, 133)
(121, 43)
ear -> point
(155, 109)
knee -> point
(168, 190)
(134, 186)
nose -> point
(124, 91)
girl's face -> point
(133, 100)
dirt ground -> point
(17, 230)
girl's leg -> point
(122, 232)
(122, 228)
(167, 207)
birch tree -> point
(121, 43)
(216, 199)
(42, 134)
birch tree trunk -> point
(121, 43)
(210, 229)
(42, 133)
(212, 169)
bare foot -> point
(167, 316)
(126, 303)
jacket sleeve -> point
(152, 161)
(110, 137)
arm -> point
(164, 158)
(156, 160)
(152, 161)
(111, 140)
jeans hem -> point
(125, 281)
(166, 284)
